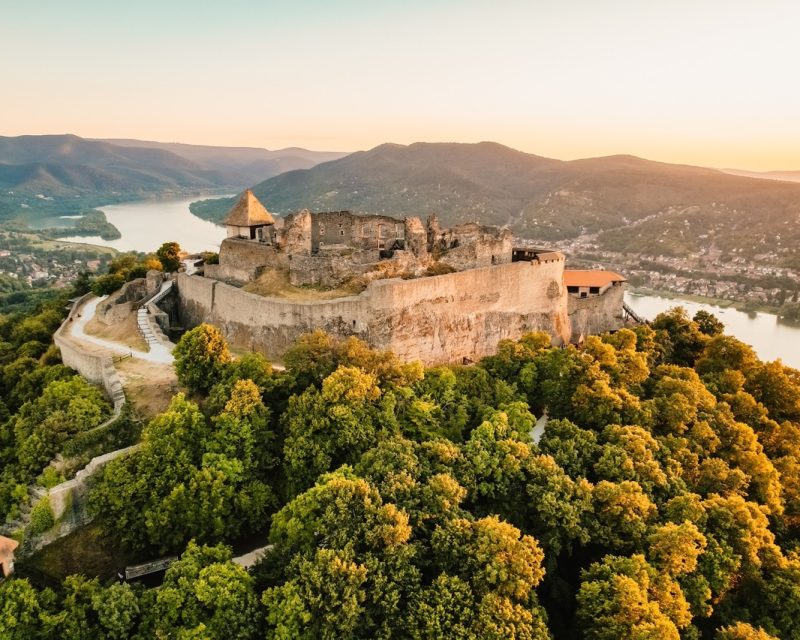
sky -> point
(703, 82)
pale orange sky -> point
(700, 82)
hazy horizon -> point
(693, 83)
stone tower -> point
(249, 219)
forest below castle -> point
(660, 500)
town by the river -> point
(145, 225)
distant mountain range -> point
(66, 167)
(786, 176)
(239, 165)
(632, 203)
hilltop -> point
(239, 165)
(538, 197)
(66, 172)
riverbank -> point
(722, 303)
(146, 224)
(770, 337)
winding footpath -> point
(157, 353)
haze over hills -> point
(787, 176)
(240, 165)
(66, 167)
(671, 206)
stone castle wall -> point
(242, 261)
(96, 368)
(358, 231)
(596, 314)
(434, 319)
(118, 306)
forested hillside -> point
(661, 500)
(57, 174)
(537, 197)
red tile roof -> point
(591, 278)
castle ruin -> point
(425, 292)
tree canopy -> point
(641, 485)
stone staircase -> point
(146, 322)
(632, 315)
(144, 327)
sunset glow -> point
(709, 83)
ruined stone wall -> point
(471, 245)
(118, 306)
(69, 502)
(330, 271)
(241, 261)
(596, 314)
(358, 231)
(436, 319)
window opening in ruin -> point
(584, 294)
(322, 229)
(572, 289)
(341, 232)
(594, 289)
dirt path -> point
(77, 329)
(147, 376)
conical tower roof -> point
(248, 212)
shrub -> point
(42, 518)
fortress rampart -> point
(462, 290)
(435, 319)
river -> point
(146, 224)
(769, 337)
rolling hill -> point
(57, 171)
(786, 176)
(629, 201)
(239, 165)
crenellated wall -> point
(435, 319)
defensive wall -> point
(96, 368)
(597, 313)
(68, 499)
(434, 319)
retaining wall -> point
(96, 368)
(68, 499)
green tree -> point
(619, 598)
(201, 358)
(708, 323)
(65, 409)
(621, 515)
(574, 449)
(334, 425)
(117, 610)
(324, 600)
(22, 615)
(679, 338)
(169, 254)
(206, 595)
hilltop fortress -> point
(425, 292)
